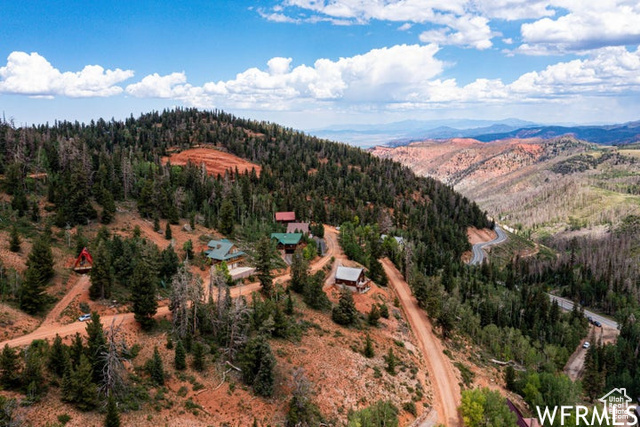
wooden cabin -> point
(288, 242)
(352, 279)
(84, 262)
(224, 251)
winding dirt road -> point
(446, 391)
(50, 326)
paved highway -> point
(478, 252)
(567, 305)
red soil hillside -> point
(216, 161)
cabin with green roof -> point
(287, 242)
(224, 251)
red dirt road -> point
(446, 391)
(50, 327)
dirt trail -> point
(446, 391)
(50, 327)
(575, 365)
(77, 284)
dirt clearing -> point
(216, 161)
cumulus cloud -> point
(171, 86)
(31, 74)
(463, 31)
(379, 75)
(609, 70)
(549, 27)
(588, 25)
(398, 77)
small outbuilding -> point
(84, 262)
(352, 279)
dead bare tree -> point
(186, 288)
(114, 372)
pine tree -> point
(39, 273)
(391, 362)
(198, 357)
(510, 378)
(76, 350)
(384, 310)
(14, 242)
(58, 356)
(156, 223)
(78, 387)
(345, 312)
(108, 207)
(368, 351)
(289, 307)
(112, 419)
(180, 360)
(156, 368)
(167, 231)
(226, 218)
(258, 364)
(19, 202)
(35, 212)
(280, 323)
(299, 272)
(314, 295)
(143, 295)
(102, 274)
(32, 374)
(264, 263)
(374, 315)
(9, 367)
(96, 346)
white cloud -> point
(378, 76)
(171, 86)
(398, 77)
(511, 10)
(31, 74)
(554, 27)
(467, 30)
(608, 71)
(405, 27)
(587, 25)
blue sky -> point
(316, 63)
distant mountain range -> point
(626, 133)
(402, 133)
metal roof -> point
(287, 238)
(302, 227)
(285, 216)
(348, 273)
(219, 250)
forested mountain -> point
(107, 161)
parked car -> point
(598, 324)
(586, 344)
(590, 319)
(84, 317)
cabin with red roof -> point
(84, 262)
(285, 217)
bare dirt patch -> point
(216, 161)
(480, 235)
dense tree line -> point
(114, 161)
